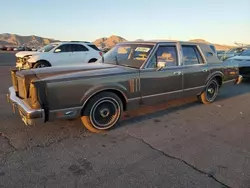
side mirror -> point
(160, 65)
(57, 50)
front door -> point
(160, 85)
(195, 70)
(62, 55)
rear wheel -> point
(102, 112)
(92, 60)
(41, 64)
(210, 93)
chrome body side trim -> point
(172, 92)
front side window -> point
(130, 55)
(191, 55)
(63, 48)
(166, 54)
(48, 48)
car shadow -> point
(149, 112)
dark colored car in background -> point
(233, 52)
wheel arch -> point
(216, 75)
(121, 94)
(92, 60)
(42, 60)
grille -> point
(21, 88)
(14, 79)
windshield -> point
(130, 55)
(245, 53)
(236, 50)
(47, 48)
(220, 52)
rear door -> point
(195, 68)
(79, 54)
(161, 85)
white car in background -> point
(59, 54)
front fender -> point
(114, 87)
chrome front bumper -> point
(29, 116)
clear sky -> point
(218, 21)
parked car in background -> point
(3, 48)
(59, 54)
(233, 52)
(22, 48)
(10, 48)
(130, 75)
(243, 61)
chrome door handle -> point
(204, 70)
(177, 73)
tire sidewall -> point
(91, 104)
(40, 63)
(213, 81)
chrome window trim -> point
(199, 50)
(156, 47)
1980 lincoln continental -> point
(131, 74)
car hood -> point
(242, 61)
(241, 57)
(25, 53)
(62, 72)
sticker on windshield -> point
(142, 49)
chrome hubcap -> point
(212, 91)
(105, 113)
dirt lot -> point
(181, 144)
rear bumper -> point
(29, 116)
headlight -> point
(27, 57)
(33, 95)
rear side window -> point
(94, 47)
(213, 48)
(191, 55)
(78, 48)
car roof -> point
(163, 41)
(72, 42)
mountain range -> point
(8, 39)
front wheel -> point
(102, 112)
(210, 93)
(41, 64)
